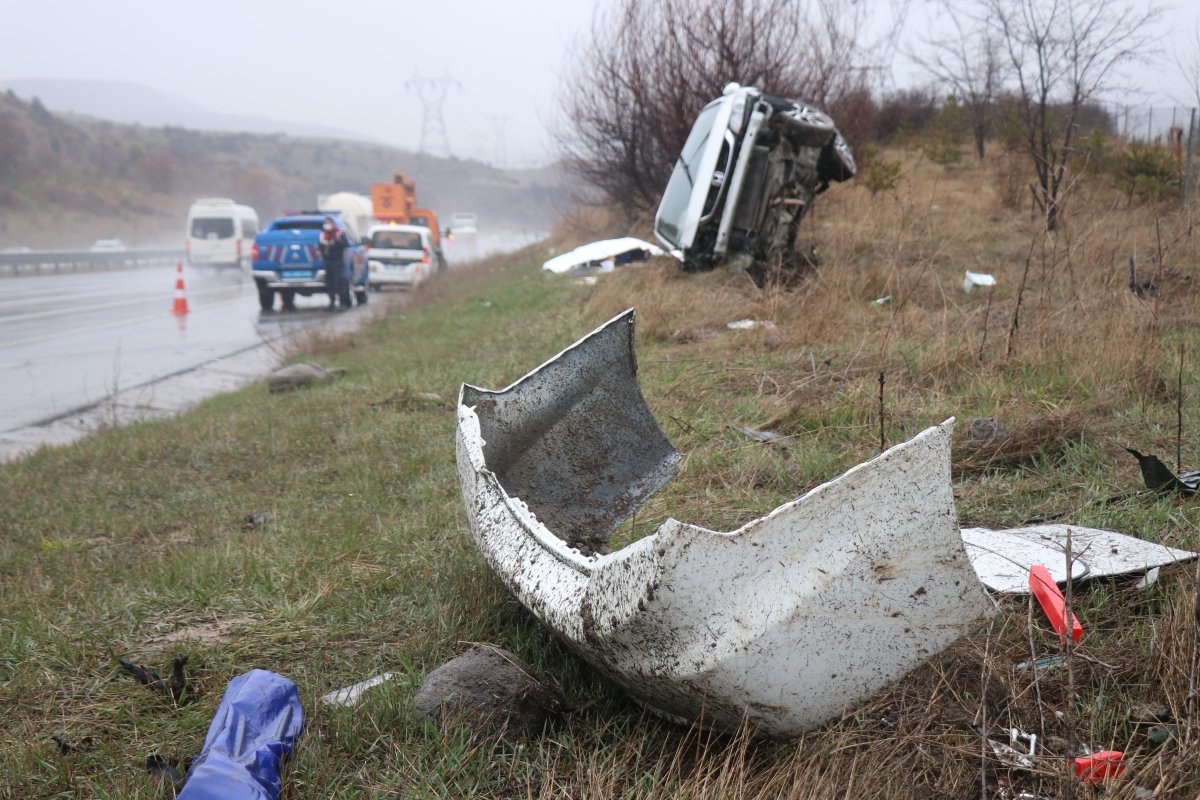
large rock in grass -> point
(299, 375)
(490, 688)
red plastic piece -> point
(1053, 603)
(1099, 767)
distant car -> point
(399, 255)
(463, 223)
(107, 246)
(748, 173)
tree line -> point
(649, 67)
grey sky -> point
(346, 63)
(343, 63)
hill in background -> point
(66, 180)
(133, 103)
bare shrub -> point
(1061, 54)
(630, 104)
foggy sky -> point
(345, 63)
(342, 63)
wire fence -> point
(1176, 128)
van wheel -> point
(266, 296)
(360, 296)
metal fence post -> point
(1189, 172)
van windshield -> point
(396, 240)
(678, 194)
(212, 228)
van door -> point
(213, 238)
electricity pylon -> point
(432, 94)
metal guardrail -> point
(39, 262)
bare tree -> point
(1188, 63)
(651, 66)
(1062, 53)
(969, 60)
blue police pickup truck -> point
(286, 260)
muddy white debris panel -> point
(787, 621)
(1003, 558)
(618, 252)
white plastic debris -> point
(781, 624)
(750, 324)
(606, 250)
(1002, 558)
(978, 280)
(1148, 580)
(349, 696)
(1010, 756)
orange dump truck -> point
(396, 202)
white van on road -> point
(220, 233)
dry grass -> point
(1086, 367)
(365, 563)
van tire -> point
(266, 296)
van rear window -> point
(396, 240)
(212, 228)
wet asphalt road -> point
(68, 341)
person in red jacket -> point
(333, 244)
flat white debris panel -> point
(1002, 558)
(600, 251)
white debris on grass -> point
(349, 696)
(750, 324)
(1002, 558)
(977, 280)
(603, 253)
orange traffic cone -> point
(181, 306)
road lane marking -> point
(60, 311)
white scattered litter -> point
(977, 280)
(750, 324)
(587, 280)
(349, 696)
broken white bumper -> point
(785, 622)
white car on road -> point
(399, 255)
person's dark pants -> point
(336, 285)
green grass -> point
(365, 562)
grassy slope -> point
(366, 564)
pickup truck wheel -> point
(289, 299)
(266, 296)
(360, 296)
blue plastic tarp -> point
(252, 733)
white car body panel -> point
(786, 622)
